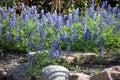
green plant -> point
(77, 69)
(41, 60)
(96, 71)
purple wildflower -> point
(15, 37)
(19, 39)
(114, 10)
(36, 46)
(100, 42)
(75, 38)
(80, 27)
(95, 36)
(0, 29)
(70, 18)
(109, 8)
(101, 24)
(76, 15)
(30, 44)
(68, 39)
(119, 26)
(58, 52)
(114, 31)
(68, 50)
(8, 36)
(87, 35)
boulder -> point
(79, 58)
(2, 74)
(19, 73)
(78, 76)
(112, 73)
(55, 72)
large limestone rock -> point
(79, 58)
(19, 73)
(2, 74)
(55, 72)
(78, 76)
(112, 73)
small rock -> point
(55, 72)
(112, 73)
(2, 74)
(78, 76)
(19, 73)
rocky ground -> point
(11, 60)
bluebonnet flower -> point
(87, 35)
(8, 36)
(54, 44)
(68, 50)
(12, 23)
(15, 37)
(73, 32)
(110, 21)
(2, 12)
(30, 33)
(109, 8)
(70, 18)
(114, 31)
(100, 42)
(95, 28)
(104, 14)
(104, 4)
(90, 11)
(64, 36)
(19, 39)
(58, 52)
(30, 44)
(119, 26)
(76, 15)
(118, 14)
(75, 38)
(0, 29)
(42, 12)
(114, 10)
(68, 39)
(36, 46)
(53, 50)
(80, 27)
(58, 36)
(11, 10)
(44, 19)
(25, 17)
(67, 23)
(85, 28)
(101, 24)
(59, 24)
(83, 20)
(95, 36)
(38, 26)
(43, 35)
(64, 18)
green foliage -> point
(41, 59)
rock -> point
(112, 73)
(78, 76)
(2, 74)
(79, 58)
(55, 72)
(19, 73)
